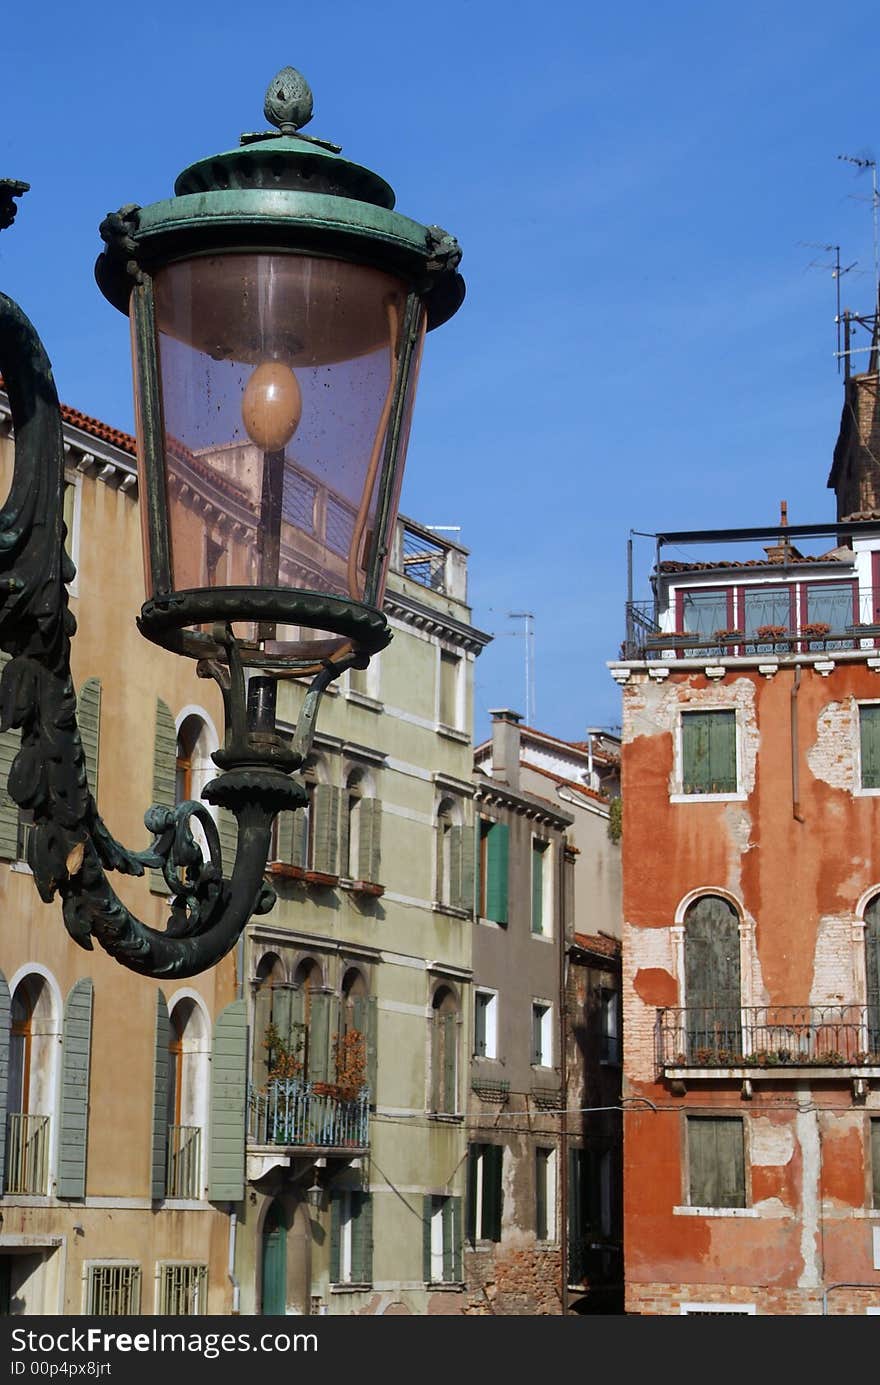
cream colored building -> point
(145, 1166)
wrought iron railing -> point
(27, 1154)
(768, 1036)
(293, 1112)
(184, 1161)
(857, 627)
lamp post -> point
(278, 307)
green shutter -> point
(498, 848)
(537, 1054)
(454, 896)
(448, 1217)
(537, 887)
(284, 830)
(5, 1027)
(869, 733)
(320, 1053)
(872, 972)
(427, 1213)
(472, 1231)
(164, 773)
(325, 807)
(372, 1032)
(10, 744)
(456, 1231)
(369, 844)
(88, 715)
(336, 1200)
(493, 1156)
(463, 880)
(262, 1016)
(228, 1105)
(299, 836)
(160, 1099)
(361, 1238)
(73, 1124)
(716, 1162)
(450, 1040)
(480, 829)
(228, 830)
(708, 750)
(875, 1160)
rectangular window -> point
(766, 607)
(716, 1162)
(609, 1027)
(542, 880)
(834, 604)
(485, 1024)
(443, 1240)
(351, 1236)
(484, 1192)
(545, 1194)
(708, 752)
(703, 611)
(542, 1035)
(450, 665)
(492, 870)
(113, 1290)
(869, 745)
(182, 1290)
(875, 1160)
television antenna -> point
(874, 199)
(528, 620)
(837, 273)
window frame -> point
(691, 1121)
(454, 661)
(679, 794)
(545, 1166)
(542, 1057)
(542, 850)
(91, 1269)
(484, 1209)
(200, 1291)
(490, 1012)
(860, 789)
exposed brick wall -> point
(522, 1281)
(656, 1300)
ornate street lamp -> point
(278, 307)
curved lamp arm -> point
(70, 848)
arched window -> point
(312, 1006)
(445, 839)
(872, 972)
(444, 1051)
(272, 1039)
(33, 1042)
(712, 980)
(186, 1096)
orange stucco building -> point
(751, 902)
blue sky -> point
(644, 343)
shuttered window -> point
(449, 674)
(324, 829)
(351, 1237)
(875, 1160)
(5, 1027)
(228, 1104)
(708, 752)
(484, 1193)
(441, 1239)
(74, 1105)
(872, 972)
(88, 715)
(716, 1162)
(493, 870)
(485, 1024)
(164, 773)
(160, 1099)
(10, 744)
(869, 742)
(540, 877)
(545, 1194)
(542, 1035)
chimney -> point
(505, 746)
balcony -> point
(650, 638)
(768, 1040)
(27, 1154)
(308, 1115)
(184, 1161)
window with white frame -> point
(485, 1192)
(545, 1194)
(869, 745)
(113, 1290)
(708, 752)
(542, 1034)
(442, 1240)
(485, 1024)
(351, 1237)
(182, 1289)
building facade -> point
(751, 950)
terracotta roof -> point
(566, 783)
(598, 942)
(671, 566)
(580, 746)
(87, 424)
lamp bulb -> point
(271, 406)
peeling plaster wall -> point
(796, 872)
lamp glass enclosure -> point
(277, 377)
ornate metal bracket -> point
(70, 849)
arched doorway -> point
(712, 980)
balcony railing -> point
(184, 1161)
(27, 1154)
(769, 1036)
(293, 1112)
(855, 628)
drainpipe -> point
(236, 1287)
(827, 1290)
(795, 768)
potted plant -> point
(727, 636)
(769, 633)
(816, 630)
